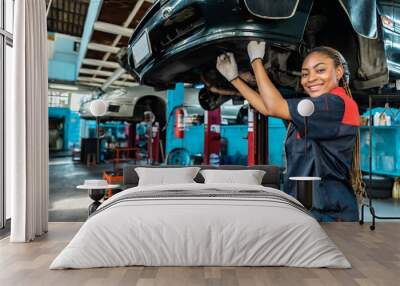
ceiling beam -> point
(100, 82)
(91, 79)
(127, 76)
(112, 29)
(90, 84)
(133, 13)
(113, 78)
(101, 63)
(48, 8)
(103, 48)
(91, 17)
(125, 83)
(95, 72)
(127, 22)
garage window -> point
(6, 44)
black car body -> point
(390, 16)
(179, 40)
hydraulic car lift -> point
(258, 144)
(212, 137)
(257, 137)
(176, 148)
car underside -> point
(192, 58)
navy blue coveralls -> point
(331, 136)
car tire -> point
(178, 156)
(379, 193)
(378, 182)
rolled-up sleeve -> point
(324, 123)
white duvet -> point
(200, 231)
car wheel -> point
(178, 156)
(211, 101)
(378, 182)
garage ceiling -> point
(67, 16)
(102, 39)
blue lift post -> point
(178, 147)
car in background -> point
(179, 41)
(129, 104)
(390, 17)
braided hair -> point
(355, 171)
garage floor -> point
(68, 204)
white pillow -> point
(249, 177)
(164, 176)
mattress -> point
(201, 225)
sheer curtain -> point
(27, 124)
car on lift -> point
(129, 104)
(179, 41)
(390, 16)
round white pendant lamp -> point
(305, 107)
(98, 107)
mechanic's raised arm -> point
(226, 65)
(271, 96)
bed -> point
(201, 224)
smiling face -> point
(319, 74)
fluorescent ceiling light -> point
(63, 86)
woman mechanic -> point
(333, 128)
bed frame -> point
(272, 177)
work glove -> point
(256, 50)
(226, 65)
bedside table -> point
(96, 191)
(304, 189)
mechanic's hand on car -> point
(226, 65)
(256, 50)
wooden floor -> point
(374, 255)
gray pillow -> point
(164, 176)
(248, 177)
